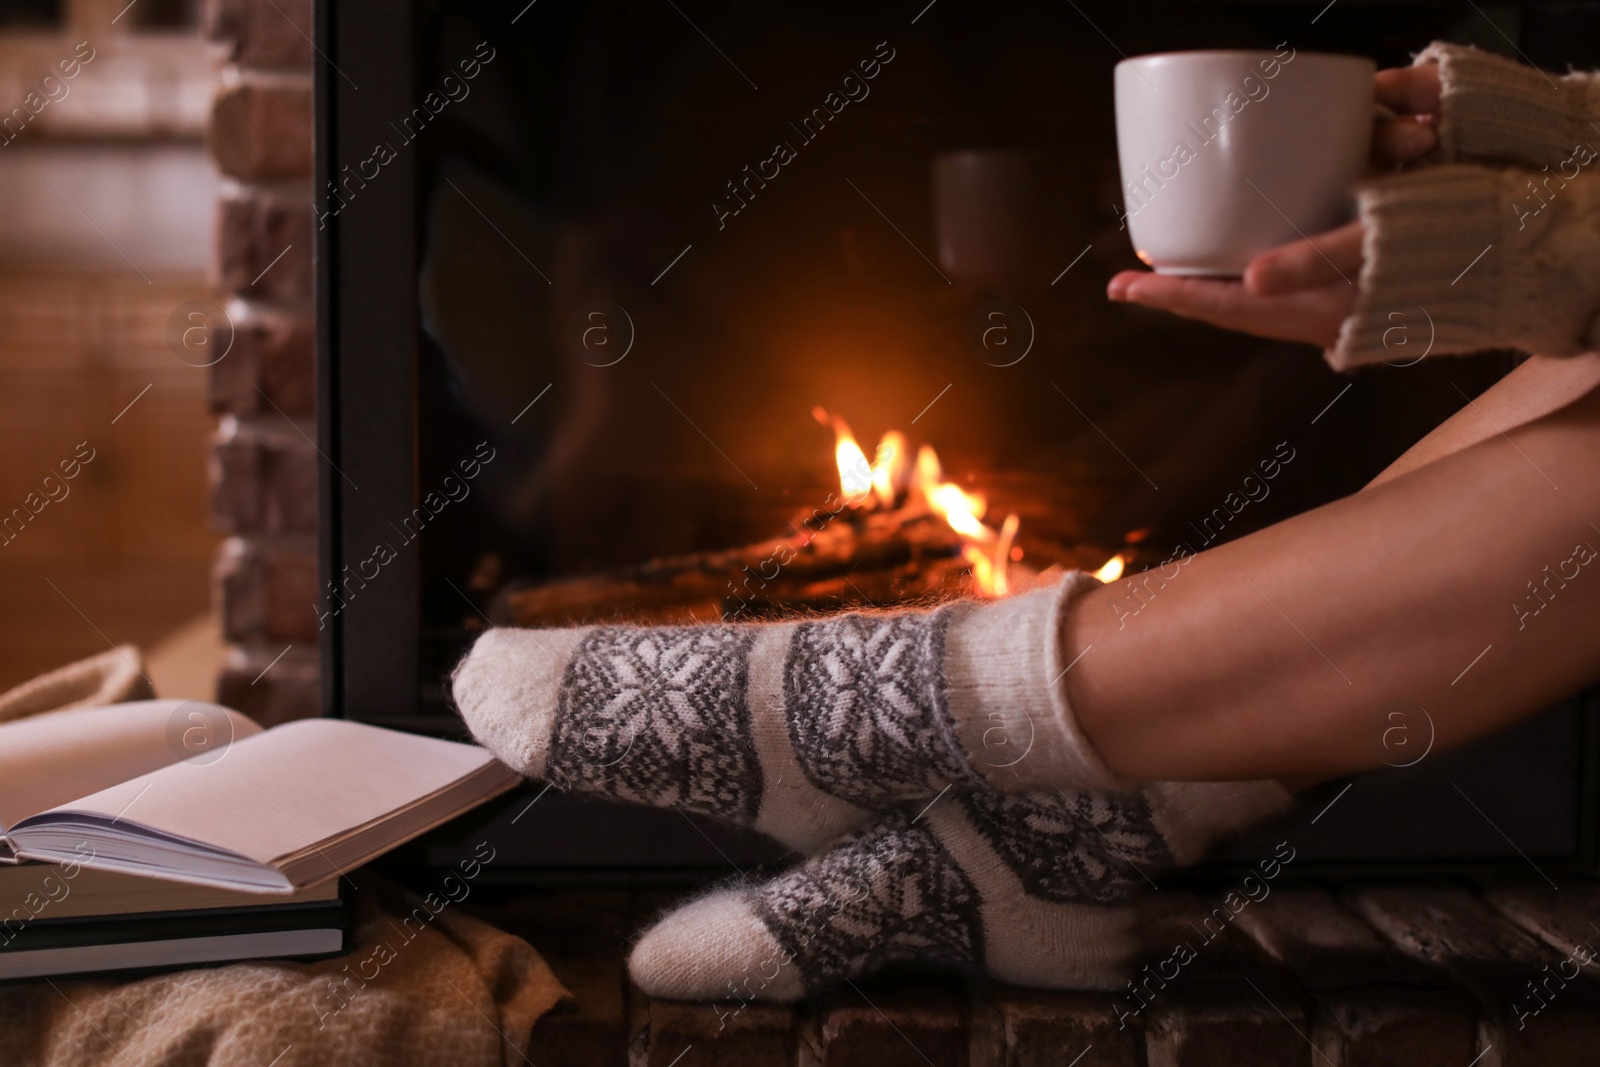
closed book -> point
(66, 947)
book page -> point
(50, 759)
(292, 787)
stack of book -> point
(161, 834)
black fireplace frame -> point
(367, 399)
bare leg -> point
(1281, 654)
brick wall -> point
(263, 465)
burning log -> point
(860, 556)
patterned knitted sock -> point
(798, 729)
(1035, 889)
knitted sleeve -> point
(1463, 258)
(1495, 109)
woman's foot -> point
(1035, 889)
(798, 729)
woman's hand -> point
(1296, 292)
(1302, 291)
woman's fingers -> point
(1310, 317)
(1409, 90)
(1328, 258)
(1403, 139)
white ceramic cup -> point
(1227, 154)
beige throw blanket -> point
(458, 992)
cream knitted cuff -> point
(1193, 816)
(1463, 258)
(1004, 682)
(1496, 109)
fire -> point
(855, 473)
(1112, 570)
(892, 476)
(961, 510)
(891, 470)
(989, 571)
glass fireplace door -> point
(688, 312)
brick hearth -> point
(1413, 976)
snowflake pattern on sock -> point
(660, 716)
(864, 700)
(888, 894)
(1091, 847)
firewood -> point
(887, 555)
(858, 558)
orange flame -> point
(987, 551)
(1000, 577)
(961, 509)
(856, 475)
(1112, 569)
(891, 469)
(928, 470)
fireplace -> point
(608, 296)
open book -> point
(191, 792)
